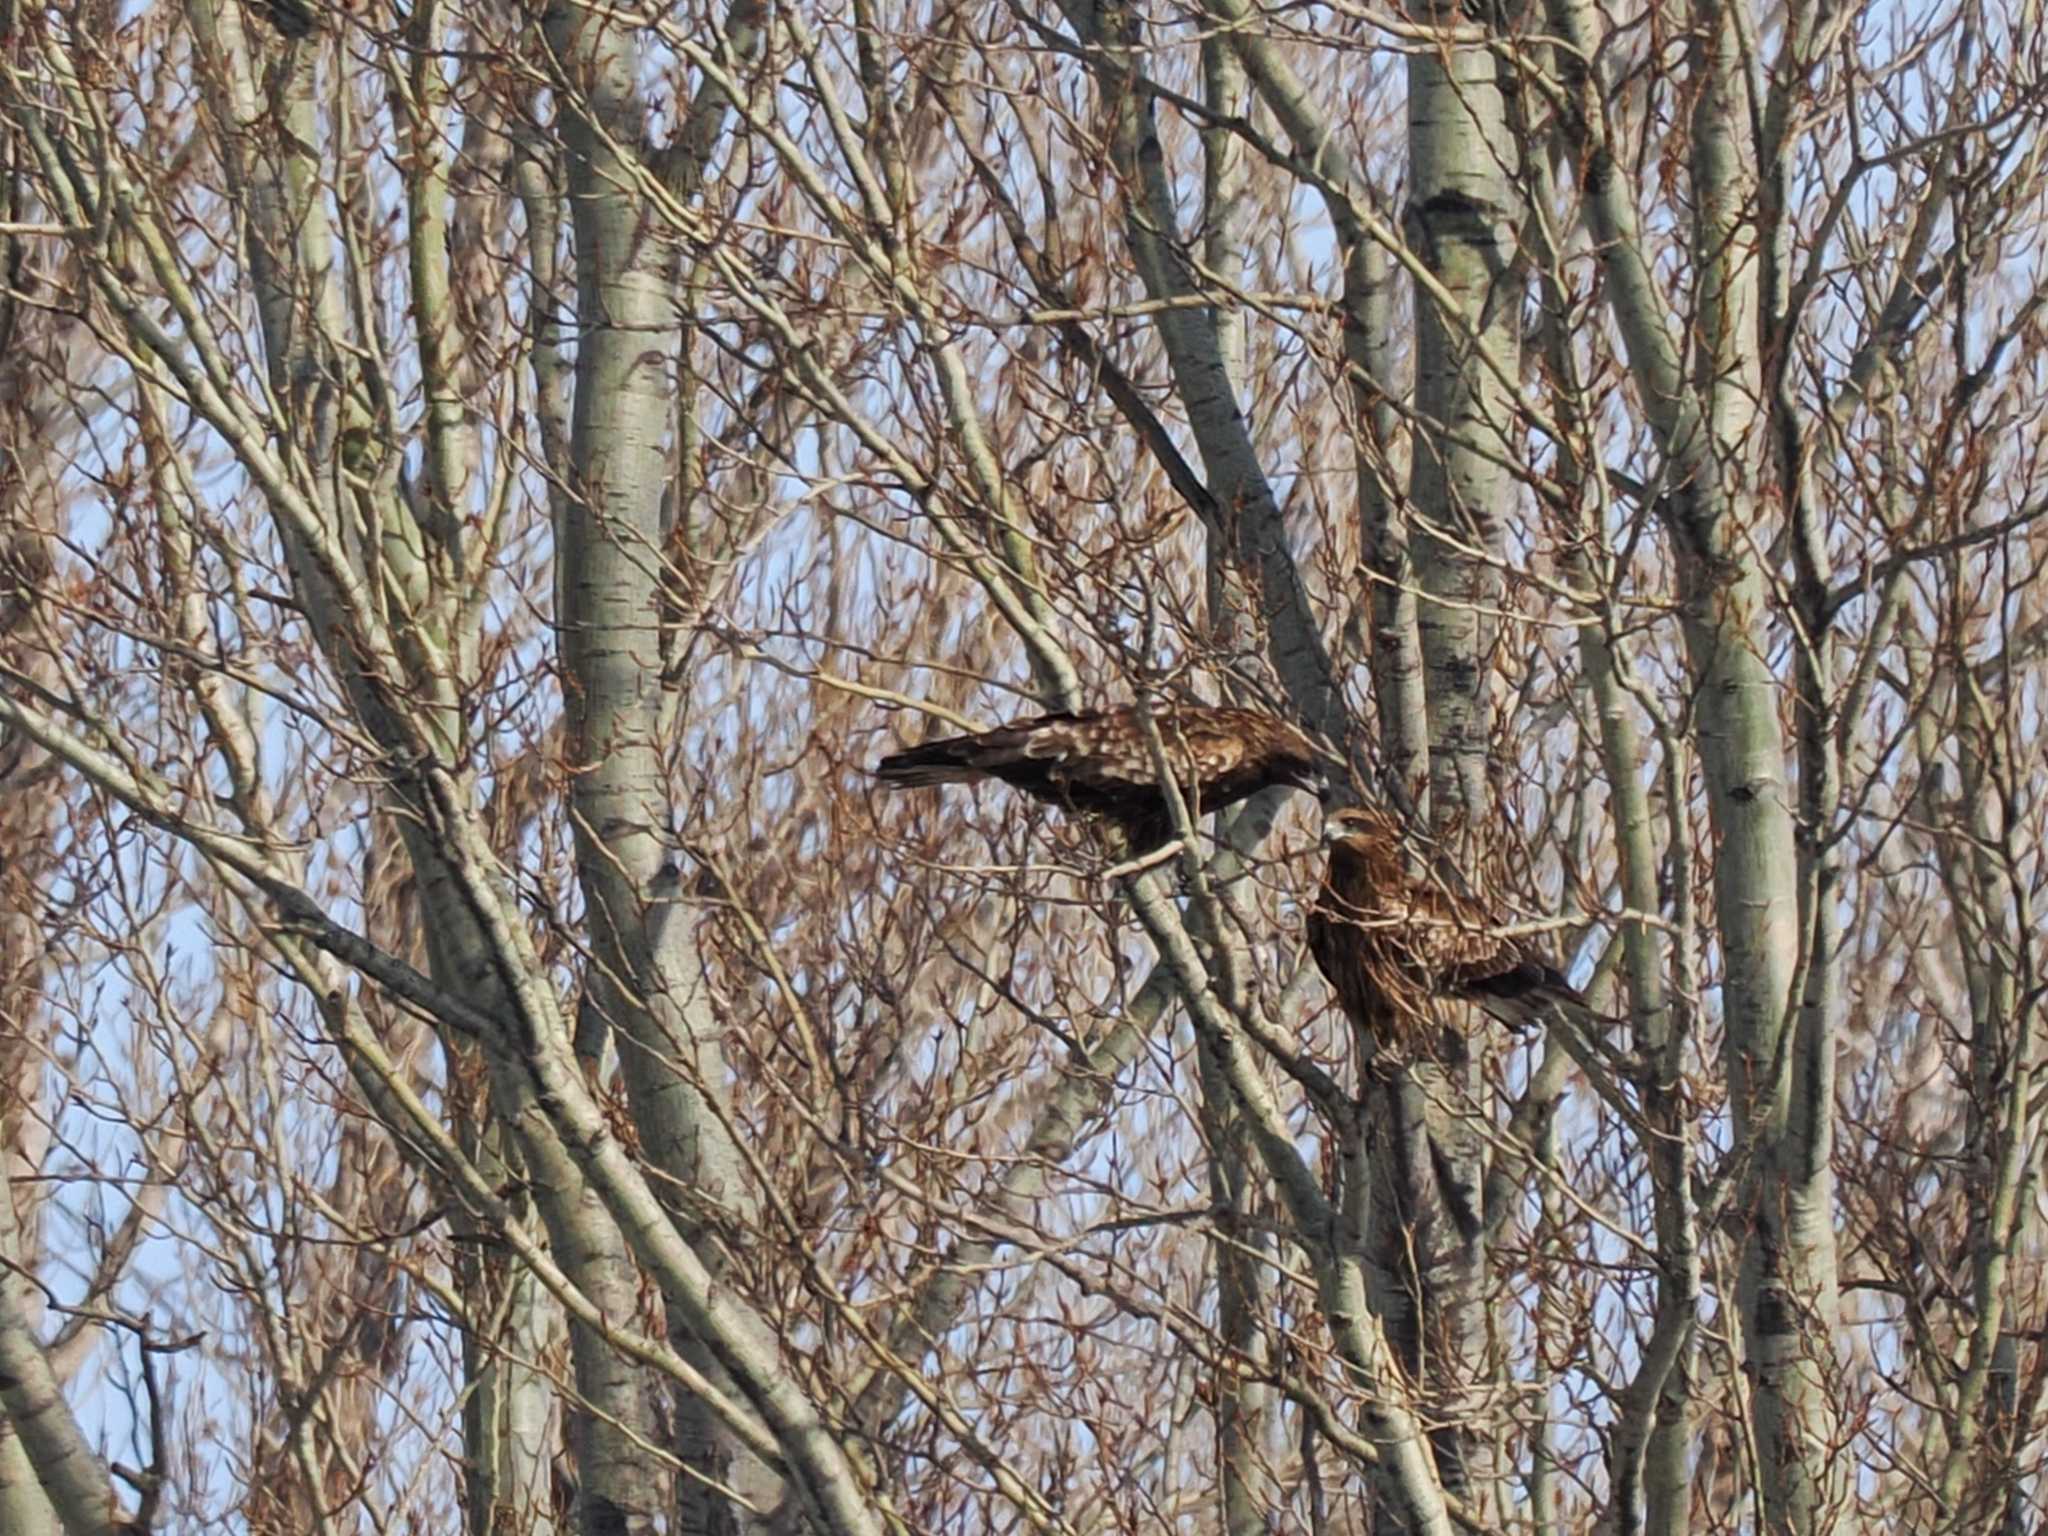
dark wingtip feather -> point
(905, 776)
(1521, 998)
(935, 762)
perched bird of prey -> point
(1100, 763)
(1389, 942)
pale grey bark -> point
(646, 988)
(1788, 1291)
(1369, 247)
(1244, 1408)
(293, 259)
(1461, 219)
(591, 1190)
(608, 543)
(1649, 1479)
(1724, 572)
(42, 1432)
(1542, 1479)
(1780, 1088)
(1385, 532)
(1241, 1403)
(1647, 1458)
(292, 254)
(24, 1507)
(1435, 1205)
(1427, 1175)
(1432, 557)
(510, 1422)
(1403, 1471)
(1265, 582)
(1232, 632)
(30, 803)
(1998, 947)
(1073, 1109)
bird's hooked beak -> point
(1344, 820)
(1337, 827)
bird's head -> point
(1354, 823)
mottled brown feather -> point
(1389, 942)
(1100, 763)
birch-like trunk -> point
(29, 807)
(645, 994)
(419, 551)
(1243, 1404)
(1429, 1152)
(1704, 422)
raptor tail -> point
(1523, 998)
(936, 762)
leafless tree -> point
(481, 485)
